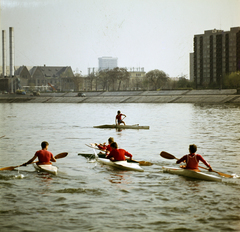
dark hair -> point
(114, 145)
(44, 144)
(192, 148)
(119, 112)
(111, 140)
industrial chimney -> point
(11, 51)
(4, 63)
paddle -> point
(58, 156)
(141, 163)
(2, 136)
(170, 156)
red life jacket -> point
(192, 162)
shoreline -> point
(162, 96)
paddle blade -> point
(61, 155)
(167, 155)
(145, 163)
(8, 168)
(223, 174)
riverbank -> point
(163, 96)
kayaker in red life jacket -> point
(119, 118)
(44, 156)
(118, 154)
(193, 159)
(105, 147)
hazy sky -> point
(154, 34)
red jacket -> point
(119, 154)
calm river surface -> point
(86, 196)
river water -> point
(86, 196)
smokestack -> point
(4, 63)
(11, 51)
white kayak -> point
(191, 173)
(46, 168)
(123, 165)
(136, 126)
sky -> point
(150, 34)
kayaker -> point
(118, 154)
(193, 159)
(105, 147)
(44, 156)
(119, 119)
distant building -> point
(136, 78)
(59, 77)
(107, 62)
(40, 77)
(191, 66)
(216, 53)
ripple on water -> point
(81, 190)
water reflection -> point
(118, 179)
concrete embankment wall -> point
(163, 96)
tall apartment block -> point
(107, 62)
(216, 53)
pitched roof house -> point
(57, 76)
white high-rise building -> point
(107, 62)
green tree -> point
(183, 82)
(113, 79)
(122, 75)
(232, 80)
(156, 79)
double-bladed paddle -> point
(58, 156)
(167, 155)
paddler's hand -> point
(210, 169)
(25, 164)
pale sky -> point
(153, 34)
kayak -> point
(46, 168)
(101, 155)
(136, 126)
(191, 173)
(123, 165)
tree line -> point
(120, 79)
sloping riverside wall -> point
(163, 96)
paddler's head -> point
(119, 112)
(44, 145)
(110, 140)
(114, 145)
(192, 148)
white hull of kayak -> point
(123, 165)
(191, 174)
(46, 168)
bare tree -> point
(78, 81)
